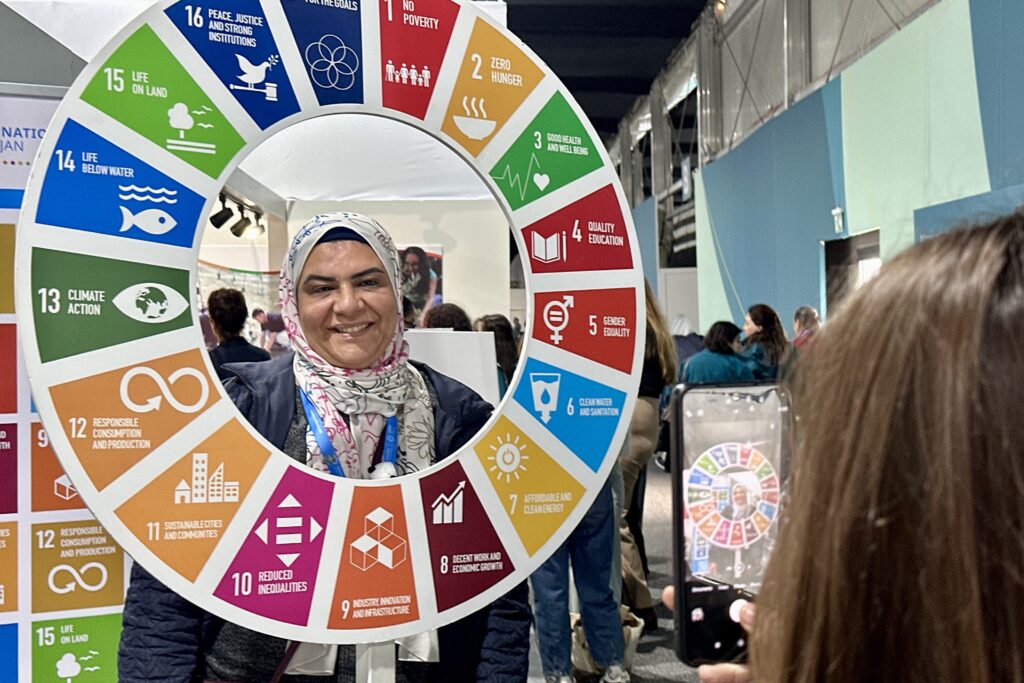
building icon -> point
(447, 509)
(206, 488)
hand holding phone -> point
(729, 444)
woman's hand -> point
(719, 673)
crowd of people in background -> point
(922, 550)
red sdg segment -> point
(588, 234)
(466, 555)
(597, 324)
(414, 35)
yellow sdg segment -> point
(494, 79)
(535, 491)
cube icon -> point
(391, 551)
(363, 552)
(379, 523)
(379, 544)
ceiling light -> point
(238, 229)
(254, 230)
(221, 217)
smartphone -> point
(730, 462)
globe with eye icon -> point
(151, 302)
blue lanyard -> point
(327, 450)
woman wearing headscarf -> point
(349, 402)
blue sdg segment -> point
(581, 413)
(329, 38)
(235, 40)
(96, 186)
(9, 648)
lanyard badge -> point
(384, 469)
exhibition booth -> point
(193, 145)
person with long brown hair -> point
(901, 553)
(765, 345)
(659, 370)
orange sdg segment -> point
(8, 567)
(375, 585)
(494, 79)
(182, 514)
(52, 489)
(115, 419)
(536, 492)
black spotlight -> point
(239, 228)
(256, 229)
(221, 217)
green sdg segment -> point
(144, 87)
(81, 649)
(83, 303)
(554, 150)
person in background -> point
(273, 337)
(765, 345)
(899, 555)
(687, 341)
(719, 362)
(209, 336)
(408, 313)
(517, 329)
(659, 370)
(504, 346)
(419, 281)
(805, 324)
(228, 313)
(447, 316)
(347, 402)
(589, 550)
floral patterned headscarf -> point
(355, 404)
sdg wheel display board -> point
(107, 252)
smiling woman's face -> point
(347, 308)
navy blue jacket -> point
(165, 637)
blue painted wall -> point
(996, 30)
(770, 202)
(646, 224)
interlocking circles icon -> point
(332, 63)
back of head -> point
(721, 336)
(447, 316)
(901, 554)
(228, 311)
(807, 317)
(504, 341)
(771, 336)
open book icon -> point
(548, 249)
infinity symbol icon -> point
(153, 403)
(77, 578)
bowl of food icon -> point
(474, 129)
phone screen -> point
(730, 444)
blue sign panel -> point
(329, 38)
(9, 648)
(234, 39)
(94, 185)
(580, 412)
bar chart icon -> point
(447, 509)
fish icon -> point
(153, 221)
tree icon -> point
(179, 117)
(68, 667)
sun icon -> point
(508, 458)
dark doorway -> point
(849, 263)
